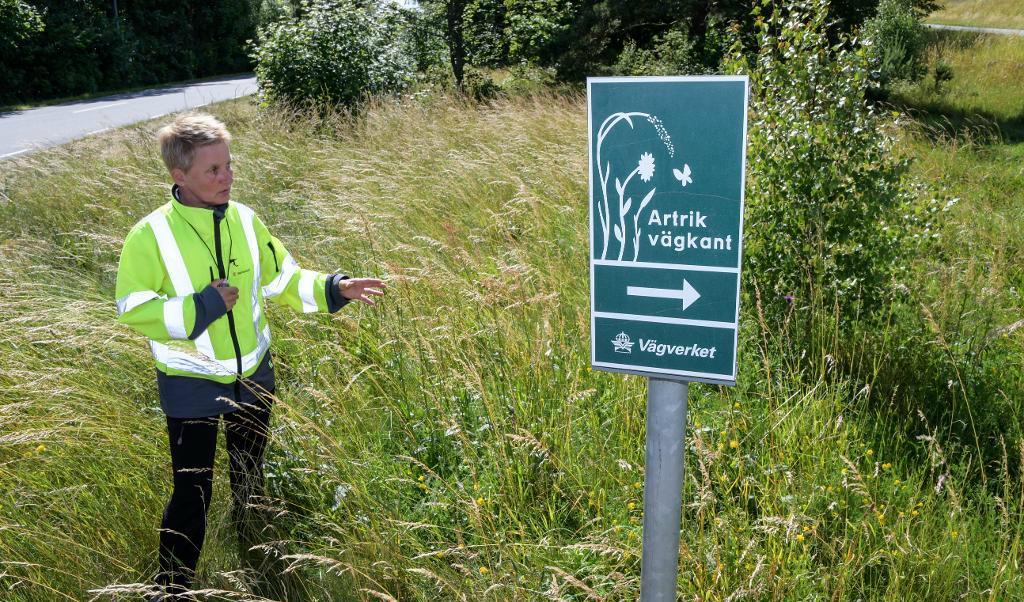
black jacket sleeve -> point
(335, 300)
(209, 307)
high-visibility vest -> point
(172, 253)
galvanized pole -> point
(663, 489)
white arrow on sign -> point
(688, 294)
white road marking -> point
(116, 104)
(96, 132)
(24, 150)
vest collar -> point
(201, 218)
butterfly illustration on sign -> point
(644, 168)
(683, 176)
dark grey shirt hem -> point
(193, 397)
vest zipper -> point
(231, 317)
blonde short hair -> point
(180, 138)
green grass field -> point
(1005, 14)
(453, 444)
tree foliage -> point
(634, 37)
(19, 21)
(55, 48)
(335, 51)
(827, 199)
(897, 42)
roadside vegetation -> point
(1004, 14)
(453, 444)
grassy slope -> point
(451, 444)
(1008, 14)
(968, 144)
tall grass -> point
(452, 444)
(983, 99)
(980, 13)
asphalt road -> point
(993, 30)
(32, 129)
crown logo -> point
(622, 343)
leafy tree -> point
(896, 39)
(828, 199)
(486, 33)
(53, 48)
(451, 14)
(19, 21)
(534, 25)
(849, 15)
(19, 24)
(334, 51)
(77, 51)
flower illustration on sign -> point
(645, 168)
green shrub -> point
(827, 200)
(337, 52)
(480, 85)
(634, 60)
(527, 79)
(671, 53)
(424, 33)
(943, 73)
(896, 41)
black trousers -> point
(193, 442)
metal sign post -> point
(663, 488)
(667, 163)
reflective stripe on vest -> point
(277, 285)
(306, 282)
(132, 300)
(204, 360)
(174, 317)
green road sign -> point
(667, 159)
